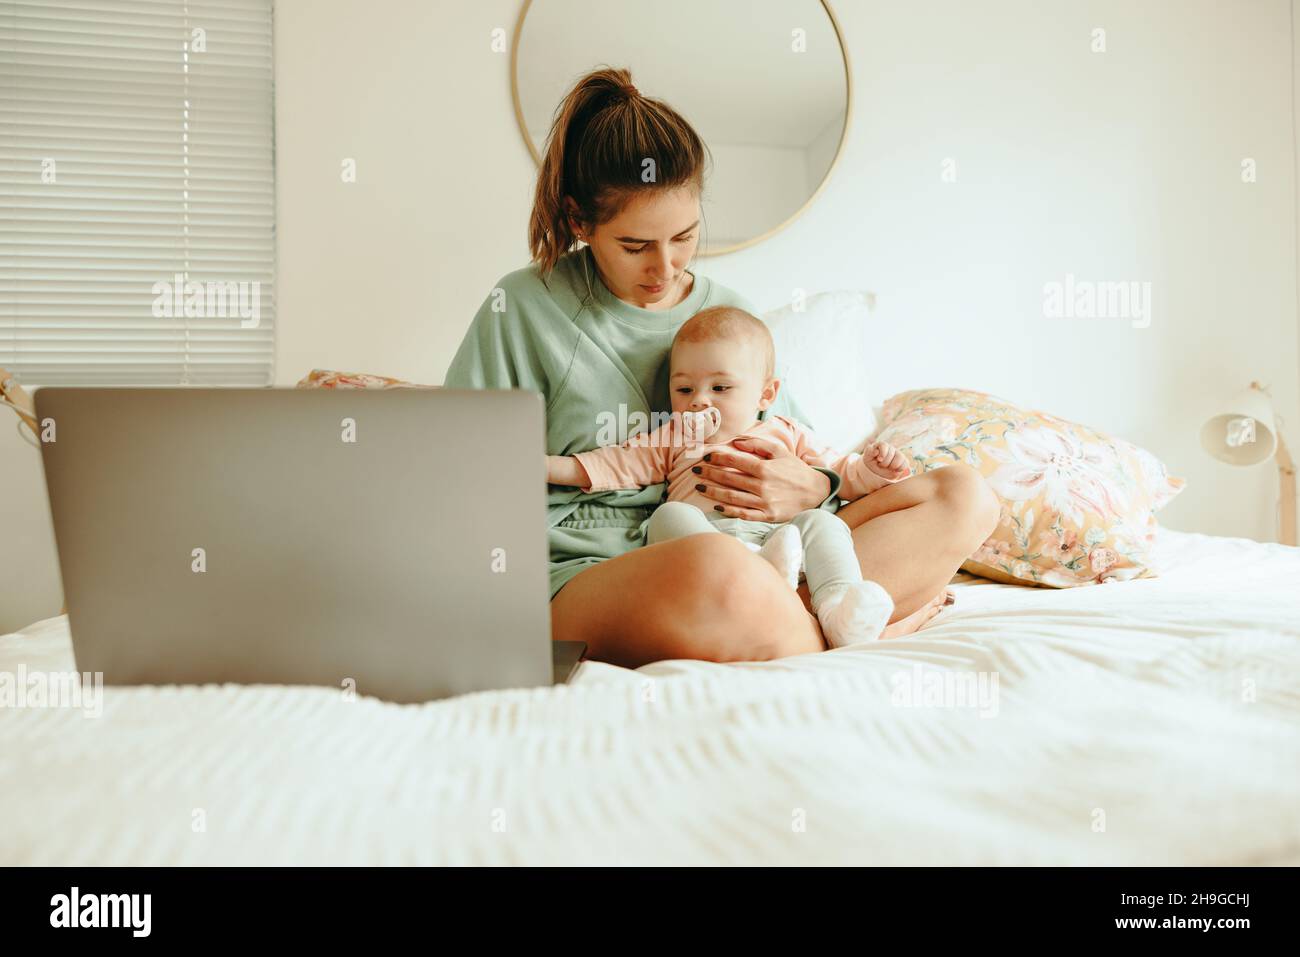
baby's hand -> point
(886, 461)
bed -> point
(1147, 722)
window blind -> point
(137, 192)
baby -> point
(721, 369)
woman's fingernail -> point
(697, 470)
(699, 488)
(717, 508)
(706, 458)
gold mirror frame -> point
(736, 247)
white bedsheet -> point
(1147, 722)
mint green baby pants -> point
(829, 557)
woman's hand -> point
(761, 480)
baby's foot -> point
(853, 613)
(921, 617)
(784, 550)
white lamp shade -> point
(1251, 404)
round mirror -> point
(764, 82)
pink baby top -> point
(664, 456)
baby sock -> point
(849, 609)
(853, 612)
(784, 550)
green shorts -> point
(592, 534)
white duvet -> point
(1147, 722)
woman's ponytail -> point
(603, 133)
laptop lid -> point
(393, 541)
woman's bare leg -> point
(712, 598)
(912, 537)
(704, 596)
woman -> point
(590, 329)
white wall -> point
(1115, 166)
(1123, 165)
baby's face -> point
(724, 375)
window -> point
(137, 192)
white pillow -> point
(822, 358)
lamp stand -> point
(14, 396)
(1286, 475)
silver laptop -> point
(391, 543)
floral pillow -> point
(1078, 506)
(327, 379)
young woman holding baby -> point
(591, 329)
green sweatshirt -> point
(599, 362)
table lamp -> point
(1246, 433)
